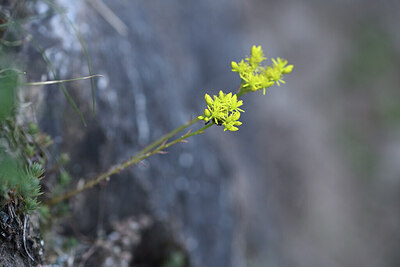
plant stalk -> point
(156, 147)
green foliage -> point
(65, 178)
(33, 128)
(19, 181)
(8, 85)
(36, 170)
(19, 184)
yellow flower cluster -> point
(256, 77)
(223, 110)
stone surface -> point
(154, 80)
(302, 203)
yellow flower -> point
(256, 77)
(224, 109)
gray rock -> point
(155, 75)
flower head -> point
(256, 77)
(223, 110)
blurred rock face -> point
(303, 204)
(152, 83)
(327, 182)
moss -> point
(19, 179)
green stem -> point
(240, 92)
(154, 148)
(167, 136)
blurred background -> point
(312, 178)
(322, 176)
(321, 185)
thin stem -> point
(240, 91)
(167, 136)
(61, 81)
(155, 147)
(55, 75)
(84, 48)
(185, 137)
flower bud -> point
(234, 66)
(209, 100)
(287, 69)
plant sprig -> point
(157, 147)
(223, 109)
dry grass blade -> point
(62, 81)
(109, 16)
